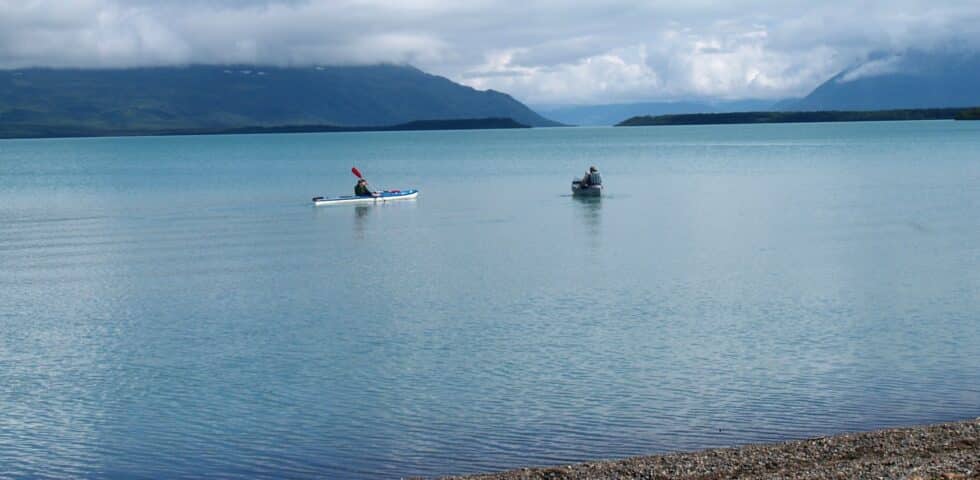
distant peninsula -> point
(798, 117)
(449, 124)
(47, 131)
(971, 114)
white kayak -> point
(586, 191)
(382, 197)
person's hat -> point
(593, 169)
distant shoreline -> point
(800, 117)
(942, 451)
(15, 131)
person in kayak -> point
(362, 190)
(591, 177)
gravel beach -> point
(945, 451)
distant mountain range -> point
(42, 101)
(913, 79)
(221, 97)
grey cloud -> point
(540, 51)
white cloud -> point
(612, 76)
(538, 50)
(873, 68)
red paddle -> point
(357, 173)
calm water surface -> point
(175, 308)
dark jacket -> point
(592, 178)
(361, 190)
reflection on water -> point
(589, 211)
(356, 218)
(361, 211)
(361, 214)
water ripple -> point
(215, 325)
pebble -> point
(948, 451)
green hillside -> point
(971, 114)
(215, 97)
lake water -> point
(174, 307)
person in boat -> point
(591, 177)
(362, 190)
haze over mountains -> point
(909, 80)
(162, 98)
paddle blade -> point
(356, 172)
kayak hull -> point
(384, 197)
(589, 191)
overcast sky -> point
(542, 52)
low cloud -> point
(873, 68)
(540, 51)
(612, 76)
